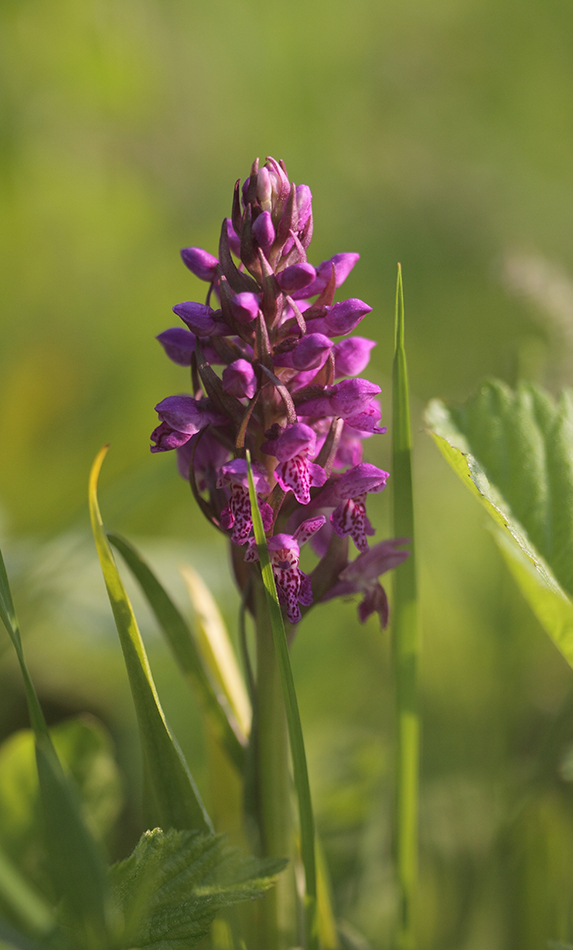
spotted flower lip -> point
(292, 446)
(293, 586)
(361, 577)
(236, 516)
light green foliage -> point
(84, 749)
(169, 890)
(514, 450)
(175, 795)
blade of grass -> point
(298, 753)
(76, 864)
(176, 797)
(405, 643)
(27, 903)
(13, 939)
(215, 647)
(212, 698)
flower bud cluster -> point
(274, 370)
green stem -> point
(273, 793)
(406, 646)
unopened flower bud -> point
(201, 319)
(245, 307)
(200, 263)
(296, 277)
(264, 231)
(239, 379)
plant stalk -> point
(273, 784)
(405, 646)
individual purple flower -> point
(351, 399)
(236, 516)
(293, 586)
(201, 319)
(361, 577)
(296, 277)
(245, 307)
(182, 417)
(179, 345)
(239, 379)
(264, 231)
(348, 494)
(311, 352)
(343, 264)
(342, 317)
(292, 446)
(200, 263)
(351, 356)
(208, 456)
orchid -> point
(289, 389)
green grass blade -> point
(298, 753)
(177, 633)
(76, 865)
(405, 641)
(25, 901)
(215, 648)
(174, 792)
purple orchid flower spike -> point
(293, 585)
(361, 577)
(270, 377)
(292, 446)
(236, 516)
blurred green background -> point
(438, 134)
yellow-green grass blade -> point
(173, 791)
(211, 697)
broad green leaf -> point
(84, 750)
(169, 890)
(22, 900)
(14, 940)
(76, 865)
(298, 754)
(215, 647)
(174, 792)
(213, 699)
(406, 643)
(514, 451)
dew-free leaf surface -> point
(169, 890)
(514, 451)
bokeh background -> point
(438, 134)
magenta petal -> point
(233, 238)
(200, 263)
(312, 352)
(296, 277)
(201, 319)
(351, 356)
(245, 307)
(264, 231)
(345, 316)
(310, 526)
(239, 379)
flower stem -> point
(273, 793)
(406, 647)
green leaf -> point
(169, 890)
(76, 865)
(300, 769)
(177, 633)
(406, 637)
(174, 792)
(9, 937)
(83, 747)
(514, 451)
